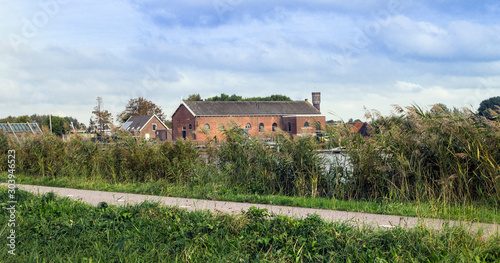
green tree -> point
(38, 118)
(490, 108)
(194, 97)
(59, 125)
(23, 119)
(138, 107)
(225, 97)
(275, 97)
(234, 97)
(9, 119)
(92, 125)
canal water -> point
(336, 159)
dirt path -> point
(384, 221)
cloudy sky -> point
(58, 56)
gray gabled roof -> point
(136, 123)
(246, 108)
(20, 127)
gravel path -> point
(384, 221)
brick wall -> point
(181, 121)
(184, 123)
(242, 121)
(297, 124)
(148, 129)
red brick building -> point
(193, 119)
(361, 128)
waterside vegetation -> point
(434, 159)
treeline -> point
(234, 97)
(60, 125)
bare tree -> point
(101, 117)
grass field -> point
(53, 229)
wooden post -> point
(13, 132)
(30, 128)
(40, 130)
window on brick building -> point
(248, 126)
(154, 127)
(190, 126)
(275, 127)
(207, 126)
(306, 124)
(261, 127)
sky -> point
(58, 56)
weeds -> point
(451, 157)
(57, 229)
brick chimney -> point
(316, 100)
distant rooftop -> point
(242, 108)
(20, 127)
(137, 122)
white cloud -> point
(408, 87)
(456, 41)
(165, 51)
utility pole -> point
(50, 122)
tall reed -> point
(426, 155)
(128, 159)
(283, 166)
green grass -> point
(55, 229)
(478, 213)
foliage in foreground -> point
(61, 230)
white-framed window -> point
(306, 124)
(207, 126)
(154, 127)
(261, 127)
(275, 126)
(248, 126)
